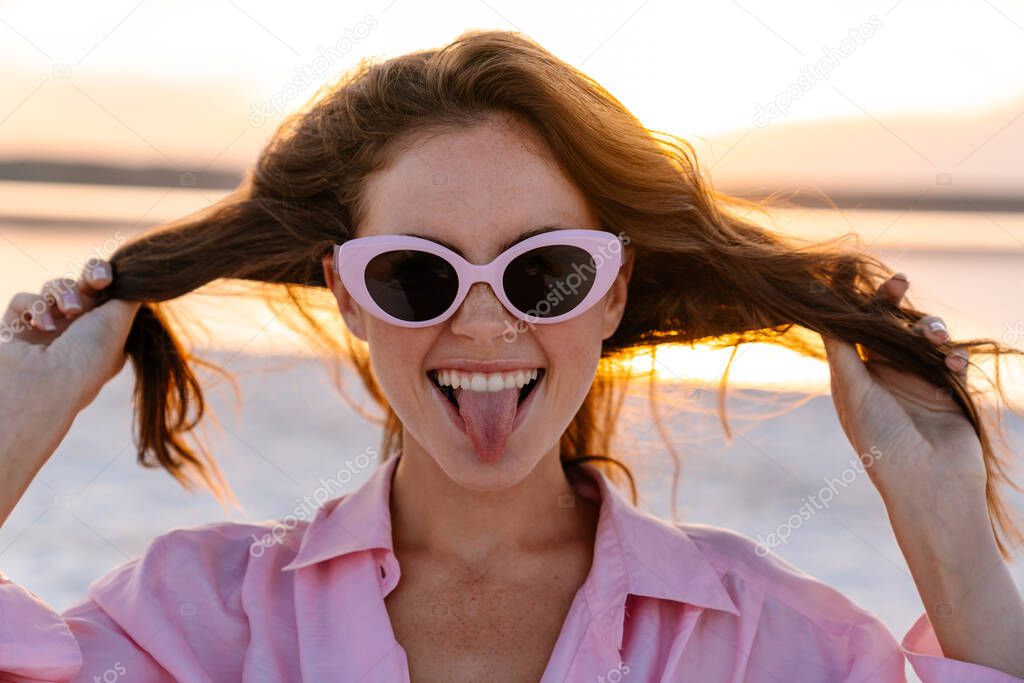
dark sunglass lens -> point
(411, 285)
(548, 281)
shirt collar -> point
(635, 553)
(360, 520)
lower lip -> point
(460, 424)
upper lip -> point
(485, 366)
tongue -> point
(488, 416)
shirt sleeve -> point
(922, 650)
(876, 657)
(38, 644)
(172, 614)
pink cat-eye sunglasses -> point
(415, 282)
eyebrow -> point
(526, 235)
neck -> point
(431, 513)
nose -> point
(481, 316)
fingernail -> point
(939, 329)
(900, 276)
(958, 361)
(47, 322)
(71, 300)
(101, 272)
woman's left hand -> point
(911, 435)
(924, 458)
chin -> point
(460, 463)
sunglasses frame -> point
(352, 256)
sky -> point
(180, 81)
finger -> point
(957, 360)
(891, 292)
(96, 275)
(19, 303)
(849, 374)
(102, 332)
(73, 297)
(27, 310)
(893, 289)
(933, 328)
(44, 322)
(63, 293)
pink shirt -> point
(662, 602)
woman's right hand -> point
(57, 350)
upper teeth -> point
(485, 381)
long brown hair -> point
(703, 270)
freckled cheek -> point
(397, 360)
(572, 353)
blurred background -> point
(907, 115)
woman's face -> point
(476, 189)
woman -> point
(496, 230)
